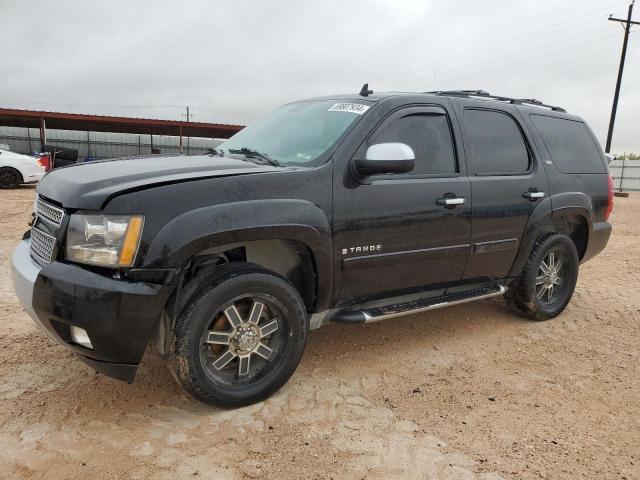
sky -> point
(234, 61)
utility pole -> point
(627, 28)
(188, 117)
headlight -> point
(104, 240)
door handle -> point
(533, 195)
(450, 201)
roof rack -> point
(487, 95)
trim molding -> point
(495, 245)
(381, 259)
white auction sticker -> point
(349, 108)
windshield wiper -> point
(251, 153)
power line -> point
(517, 40)
(518, 53)
(527, 60)
(526, 37)
(474, 54)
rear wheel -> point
(240, 337)
(10, 178)
(546, 284)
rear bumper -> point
(598, 239)
(119, 316)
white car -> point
(16, 169)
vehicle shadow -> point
(447, 329)
(336, 349)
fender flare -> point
(542, 218)
(225, 224)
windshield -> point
(297, 133)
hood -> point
(89, 185)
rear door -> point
(507, 184)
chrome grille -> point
(49, 212)
(42, 245)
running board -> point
(368, 315)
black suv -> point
(348, 209)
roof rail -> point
(487, 95)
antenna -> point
(364, 91)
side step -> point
(368, 315)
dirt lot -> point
(467, 392)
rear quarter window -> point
(570, 144)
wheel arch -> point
(290, 259)
(289, 237)
(569, 213)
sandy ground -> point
(467, 392)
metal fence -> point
(626, 175)
(102, 144)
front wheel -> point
(240, 337)
(546, 284)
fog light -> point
(81, 337)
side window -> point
(570, 145)
(428, 134)
(495, 143)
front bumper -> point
(118, 315)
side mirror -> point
(386, 158)
(610, 157)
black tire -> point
(193, 358)
(10, 177)
(525, 291)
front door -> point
(507, 183)
(404, 232)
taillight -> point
(44, 161)
(607, 213)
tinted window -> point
(570, 145)
(495, 143)
(428, 135)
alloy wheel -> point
(550, 279)
(244, 340)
